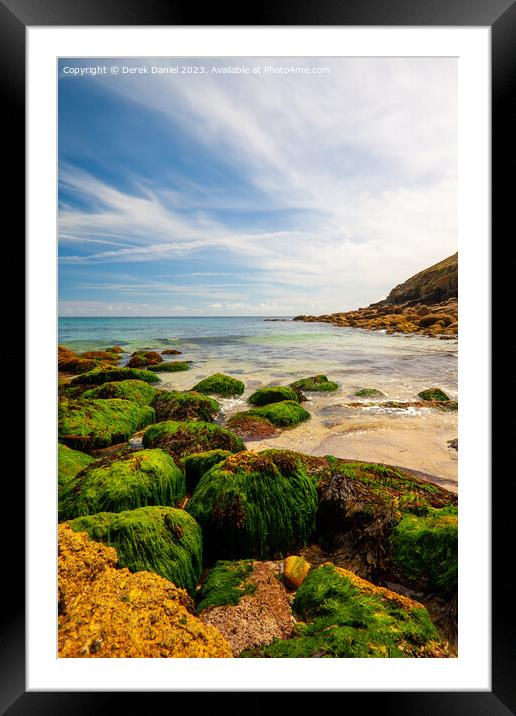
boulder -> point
(186, 438)
(109, 612)
(220, 384)
(158, 539)
(92, 424)
(247, 507)
(198, 463)
(315, 383)
(99, 376)
(295, 570)
(265, 396)
(119, 483)
(137, 390)
(173, 405)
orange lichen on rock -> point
(295, 570)
(368, 588)
(110, 612)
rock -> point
(369, 393)
(158, 539)
(101, 355)
(137, 361)
(115, 349)
(198, 463)
(260, 611)
(182, 439)
(119, 483)
(137, 390)
(248, 507)
(283, 414)
(423, 547)
(173, 405)
(348, 617)
(251, 427)
(69, 463)
(77, 365)
(454, 444)
(91, 424)
(295, 570)
(169, 367)
(433, 394)
(315, 383)
(99, 376)
(64, 353)
(170, 352)
(265, 396)
(220, 384)
(109, 612)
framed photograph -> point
(264, 252)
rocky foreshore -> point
(187, 544)
(425, 304)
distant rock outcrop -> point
(425, 303)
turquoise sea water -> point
(274, 352)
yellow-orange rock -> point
(295, 570)
(110, 612)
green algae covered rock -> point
(347, 617)
(247, 507)
(182, 439)
(315, 383)
(220, 384)
(283, 414)
(163, 540)
(174, 405)
(137, 390)
(369, 393)
(169, 366)
(225, 584)
(92, 424)
(99, 376)
(200, 462)
(251, 427)
(433, 394)
(69, 463)
(265, 396)
(424, 548)
(115, 484)
(78, 365)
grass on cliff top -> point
(91, 424)
(348, 620)
(315, 383)
(424, 548)
(265, 396)
(137, 390)
(163, 540)
(174, 405)
(220, 384)
(182, 439)
(116, 484)
(225, 584)
(99, 376)
(247, 507)
(282, 414)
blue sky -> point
(256, 194)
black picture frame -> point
(500, 16)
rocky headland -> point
(425, 304)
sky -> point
(267, 191)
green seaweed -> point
(347, 618)
(283, 414)
(137, 390)
(169, 367)
(99, 376)
(69, 463)
(369, 393)
(220, 384)
(200, 462)
(225, 584)
(116, 484)
(158, 539)
(433, 394)
(91, 424)
(173, 405)
(182, 439)
(265, 396)
(247, 507)
(424, 547)
(315, 383)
